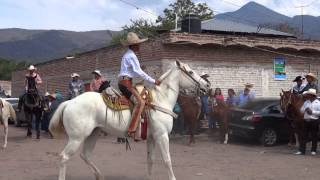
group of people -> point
(310, 111)
(232, 100)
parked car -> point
(20, 115)
(260, 119)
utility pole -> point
(304, 6)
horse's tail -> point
(12, 112)
(56, 124)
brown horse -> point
(191, 111)
(220, 111)
(291, 104)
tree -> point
(183, 8)
(7, 67)
(146, 28)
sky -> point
(85, 15)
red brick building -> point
(231, 61)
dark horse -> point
(33, 104)
(291, 104)
(191, 111)
(220, 111)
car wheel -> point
(269, 137)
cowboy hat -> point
(248, 85)
(310, 92)
(204, 75)
(97, 72)
(298, 78)
(54, 96)
(75, 75)
(311, 75)
(47, 94)
(31, 67)
(132, 39)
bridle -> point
(284, 104)
(189, 75)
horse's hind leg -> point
(38, 119)
(88, 147)
(72, 146)
(163, 142)
(5, 125)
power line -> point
(138, 8)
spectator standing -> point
(232, 99)
(75, 86)
(247, 95)
(311, 110)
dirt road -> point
(29, 159)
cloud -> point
(82, 15)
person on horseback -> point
(299, 87)
(311, 82)
(130, 68)
(97, 81)
(75, 86)
(32, 82)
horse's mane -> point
(163, 76)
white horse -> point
(83, 117)
(6, 112)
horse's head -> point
(189, 79)
(285, 100)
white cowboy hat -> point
(97, 72)
(75, 75)
(47, 94)
(311, 75)
(248, 85)
(132, 38)
(310, 92)
(31, 67)
(203, 74)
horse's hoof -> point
(225, 142)
(4, 146)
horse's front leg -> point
(5, 126)
(28, 117)
(151, 155)
(163, 142)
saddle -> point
(118, 102)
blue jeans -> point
(212, 122)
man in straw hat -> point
(311, 111)
(311, 82)
(299, 87)
(75, 86)
(32, 82)
(130, 68)
(96, 81)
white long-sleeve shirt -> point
(315, 108)
(130, 67)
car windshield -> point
(257, 105)
(12, 101)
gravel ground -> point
(30, 159)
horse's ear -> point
(178, 64)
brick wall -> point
(228, 67)
(231, 67)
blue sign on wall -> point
(279, 66)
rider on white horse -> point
(130, 68)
